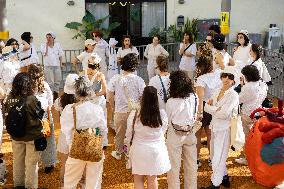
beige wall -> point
(41, 16)
(255, 16)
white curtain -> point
(99, 10)
(153, 15)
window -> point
(99, 10)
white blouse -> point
(34, 59)
(122, 52)
(88, 115)
(188, 63)
(45, 98)
(152, 52)
(242, 56)
(263, 72)
(252, 95)
(229, 106)
(182, 111)
(144, 134)
(52, 57)
(134, 85)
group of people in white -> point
(156, 126)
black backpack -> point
(16, 119)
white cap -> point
(90, 42)
(69, 87)
(244, 32)
(230, 70)
(96, 59)
(112, 42)
(52, 34)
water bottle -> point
(98, 132)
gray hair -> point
(82, 87)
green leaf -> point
(73, 25)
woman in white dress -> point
(101, 49)
(44, 95)
(241, 55)
(27, 52)
(161, 81)
(253, 93)
(222, 105)
(181, 109)
(221, 58)
(126, 48)
(152, 51)
(145, 129)
(206, 83)
(88, 116)
(187, 50)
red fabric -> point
(263, 173)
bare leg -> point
(138, 182)
(152, 182)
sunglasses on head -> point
(227, 75)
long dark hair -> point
(150, 112)
(22, 85)
(66, 99)
(180, 85)
(125, 37)
(257, 49)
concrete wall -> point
(255, 16)
(41, 16)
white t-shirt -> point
(134, 85)
(84, 57)
(52, 57)
(31, 53)
(210, 82)
(188, 63)
(156, 82)
(122, 52)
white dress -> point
(112, 63)
(148, 153)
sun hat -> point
(69, 87)
(90, 42)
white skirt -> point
(149, 158)
(62, 145)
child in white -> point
(88, 115)
(85, 55)
(222, 106)
(112, 64)
(148, 152)
(152, 51)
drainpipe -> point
(4, 34)
(226, 7)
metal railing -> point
(273, 60)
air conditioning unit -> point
(274, 38)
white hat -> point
(96, 59)
(52, 34)
(244, 32)
(90, 42)
(231, 70)
(69, 87)
(112, 42)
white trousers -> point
(219, 148)
(53, 77)
(74, 170)
(182, 147)
(151, 68)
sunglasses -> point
(227, 75)
(208, 40)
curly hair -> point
(251, 73)
(37, 77)
(204, 65)
(122, 41)
(180, 85)
(162, 63)
(22, 85)
(129, 62)
(257, 50)
(82, 87)
(150, 112)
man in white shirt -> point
(52, 60)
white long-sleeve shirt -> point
(88, 115)
(229, 106)
(34, 59)
(182, 111)
(152, 52)
(252, 96)
(188, 63)
(144, 134)
(53, 54)
(263, 72)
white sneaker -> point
(210, 162)
(116, 155)
(242, 161)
